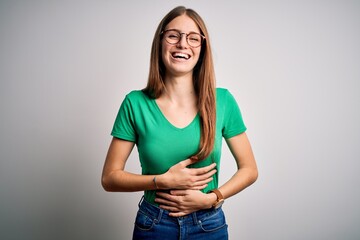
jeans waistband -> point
(158, 213)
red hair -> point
(203, 78)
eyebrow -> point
(174, 29)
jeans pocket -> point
(143, 221)
(213, 222)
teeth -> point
(181, 55)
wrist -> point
(161, 181)
(211, 199)
(219, 198)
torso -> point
(166, 135)
(178, 115)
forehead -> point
(183, 23)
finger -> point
(169, 198)
(186, 162)
(169, 208)
(206, 175)
(199, 187)
(203, 170)
(177, 214)
(202, 183)
(166, 196)
(178, 192)
(165, 202)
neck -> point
(180, 89)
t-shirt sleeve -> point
(233, 121)
(124, 126)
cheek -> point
(164, 51)
(197, 55)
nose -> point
(183, 41)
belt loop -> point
(195, 218)
(160, 215)
(141, 200)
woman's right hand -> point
(181, 177)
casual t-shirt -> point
(161, 145)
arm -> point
(115, 179)
(247, 172)
(182, 202)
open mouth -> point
(178, 55)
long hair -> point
(203, 78)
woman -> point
(178, 122)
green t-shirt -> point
(162, 145)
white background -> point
(293, 66)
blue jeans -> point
(155, 223)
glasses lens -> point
(194, 39)
(172, 37)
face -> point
(180, 59)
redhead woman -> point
(177, 123)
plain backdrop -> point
(293, 66)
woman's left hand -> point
(182, 202)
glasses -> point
(173, 36)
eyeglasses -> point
(173, 36)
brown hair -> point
(203, 78)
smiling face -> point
(180, 59)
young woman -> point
(177, 123)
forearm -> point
(242, 179)
(177, 177)
(247, 172)
(122, 181)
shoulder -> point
(222, 91)
(225, 101)
(136, 96)
(223, 94)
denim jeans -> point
(155, 223)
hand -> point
(181, 177)
(182, 202)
